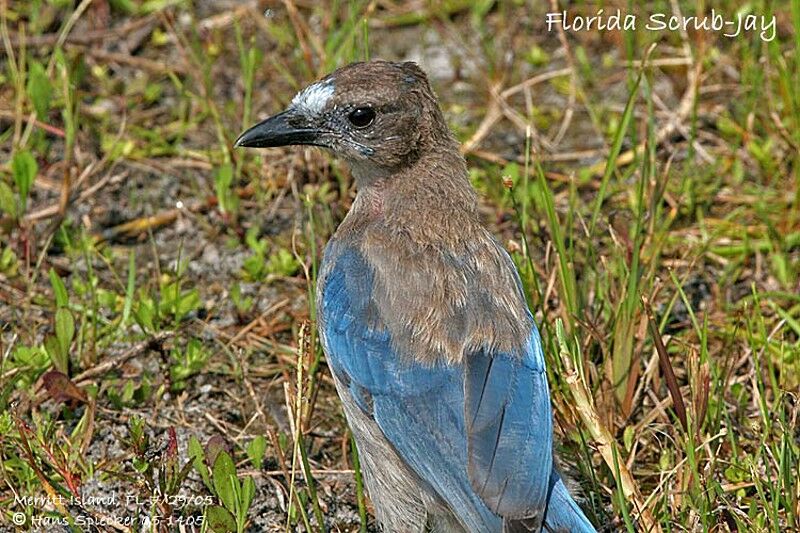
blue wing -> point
(509, 430)
(491, 413)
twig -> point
(142, 63)
(493, 114)
(58, 132)
(242, 332)
(64, 33)
(607, 445)
(302, 33)
(539, 78)
(86, 38)
(112, 364)
(143, 224)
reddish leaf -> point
(215, 445)
(62, 389)
(172, 445)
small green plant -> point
(260, 265)
(227, 199)
(138, 442)
(8, 203)
(254, 267)
(9, 264)
(58, 346)
(282, 263)
(173, 303)
(145, 312)
(243, 304)
(181, 303)
(24, 169)
(53, 457)
(130, 393)
(255, 451)
(31, 361)
(234, 494)
(159, 475)
(187, 362)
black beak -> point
(283, 129)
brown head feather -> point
(442, 285)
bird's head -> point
(376, 115)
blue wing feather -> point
(509, 430)
(491, 413)
(419, 408)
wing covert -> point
(509, 430)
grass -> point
(157, 338)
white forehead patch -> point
(313, 98)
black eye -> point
(361, 117)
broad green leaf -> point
(627, 437)
(8, 262)
(57, 355)
(225, 481)
(33, 356)
(223, 178)
(187, 303)
(8, 204)
(255, 451)
(197, 456)
(59, 289)
(248, 492)
(219, 519)
(145, 313)
(65, 330)
(39, 88)
(24, 169)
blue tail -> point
(563, 514)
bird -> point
(422, 316)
